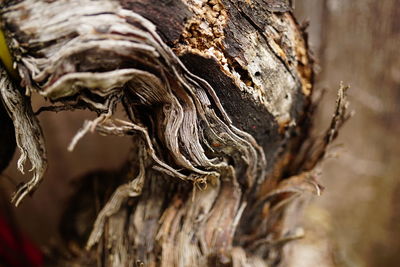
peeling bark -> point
(28, 135)
(218, 102)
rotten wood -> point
(218, 102)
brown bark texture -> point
(216, 98)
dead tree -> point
(217, 96)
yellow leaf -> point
(5, 56)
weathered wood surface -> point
(217, 96)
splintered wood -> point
(220, 126)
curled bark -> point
(217, 96)
(28, 135)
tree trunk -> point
(217, 99)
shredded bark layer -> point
(203, 191)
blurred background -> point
(356, 222)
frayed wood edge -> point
(28, 135)
(121, 194)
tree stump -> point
(217, 96)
